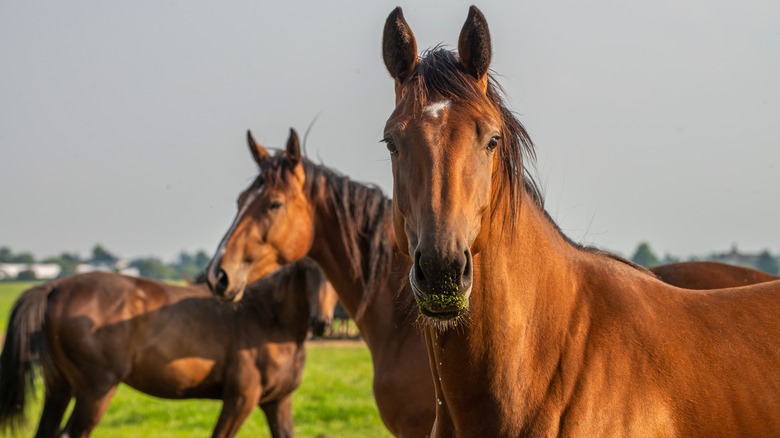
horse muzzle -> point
(220, 285)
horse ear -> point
(474, 46)
(258, 152)
(293, 147)
(399, 48)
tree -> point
(644, 256)
(68, 263)
(202, 259)
(191, 265)
(24, 257)
(767, 263)
(153, 268)
(26, 275)
(101, 255)
(6, 256)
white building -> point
(119, 267)
(42, 271)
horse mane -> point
(362, 211)
(441, 76)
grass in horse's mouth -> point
(439, 305)
(443, 311)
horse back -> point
(695, 363)
(709, 275)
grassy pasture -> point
(334, 400)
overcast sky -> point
(123, 123)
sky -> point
(123, 123)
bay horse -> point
(709, 275)
(529, 333)
(323, 299)
(295, 208)
(90, 332)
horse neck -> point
(523, 306)
(382, 319)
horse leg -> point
(89, 409)
(55, 403)
(279, 416)
(234, 413)
(241, 397)
(346, 328)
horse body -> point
(304, 209)
(581, 353)
(529, 333)
(172, 342)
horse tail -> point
(22, 352)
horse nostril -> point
(466, 273)
(221, 285)
(419, 273)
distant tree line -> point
(190, 265)
(185, 265)
(763, 261)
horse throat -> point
(522, 307)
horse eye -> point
(493, 143)
(275, 205)
(390, 146)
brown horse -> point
(709, 275)
(289, 187)
(323, 299)
(323, 302)
(92, 331)
(528, 333)
(295, 208)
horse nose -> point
(442, 275)
(317, 327)
(219, 283)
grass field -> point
(335, 398)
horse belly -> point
(186, 377)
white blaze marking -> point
(239, 216)
(435, 108)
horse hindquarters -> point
(22, 351)
(27, 345)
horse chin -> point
(443, 321)
(234, 295)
